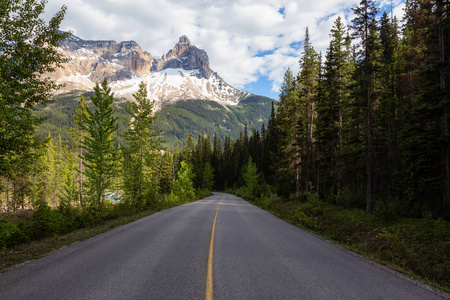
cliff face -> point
(185, 56)
(182, 73)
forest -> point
(363, 126)
(366, 125)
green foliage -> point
(311, 195)
(99, 159)
(143, 143)
(11, 235)
(28, 48)
(252, 180)
(183, 186)
(42, 221)
(208, 177)
(178, 120)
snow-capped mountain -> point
(182, 73)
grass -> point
(419, 248)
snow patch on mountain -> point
(171, 85)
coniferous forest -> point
(363, 126)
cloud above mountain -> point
(245, 39)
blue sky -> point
(250, 43)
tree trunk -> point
(8, 205)
(368, 156)
(81, 177)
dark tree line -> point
(367, 125)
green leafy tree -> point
(99, 157)
(28, 50)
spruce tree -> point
(285, 147)
(143, 144)
(364, 29)
(308, 81)
(99, 157)
(79, 134)
(333, 97)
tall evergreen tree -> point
(308, 81)
(79, 134)
(335, 85)
(99, 157)
(386, 123)
(287, 155)
(364, 29)
(143, 145)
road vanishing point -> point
(221, 247)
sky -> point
(250, 43)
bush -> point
(10, 235)
(305, 220)
(42, 221)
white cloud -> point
(244, 39)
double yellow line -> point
(209, 273)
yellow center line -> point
(209, 273)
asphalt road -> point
(165, 256)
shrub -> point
(42, 221)
(10, 235)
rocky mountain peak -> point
(185, 56)
(184, 41)
(182, 73)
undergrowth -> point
(31, 234)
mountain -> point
(183, 73)
(176, 121)
(189, 96)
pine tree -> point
(285, 148)
(208, 177)
(364, 29)
(333, 97)
(272, 146)
(386, 123)
(78, 135)
(167, 172)
(99, 156)
(69, 192)
(425, 152)
(217, 161)
(143, 142)
(188, 151)
(251, 179)
(308, 81)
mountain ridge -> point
(182, 73)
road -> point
(165, 256)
